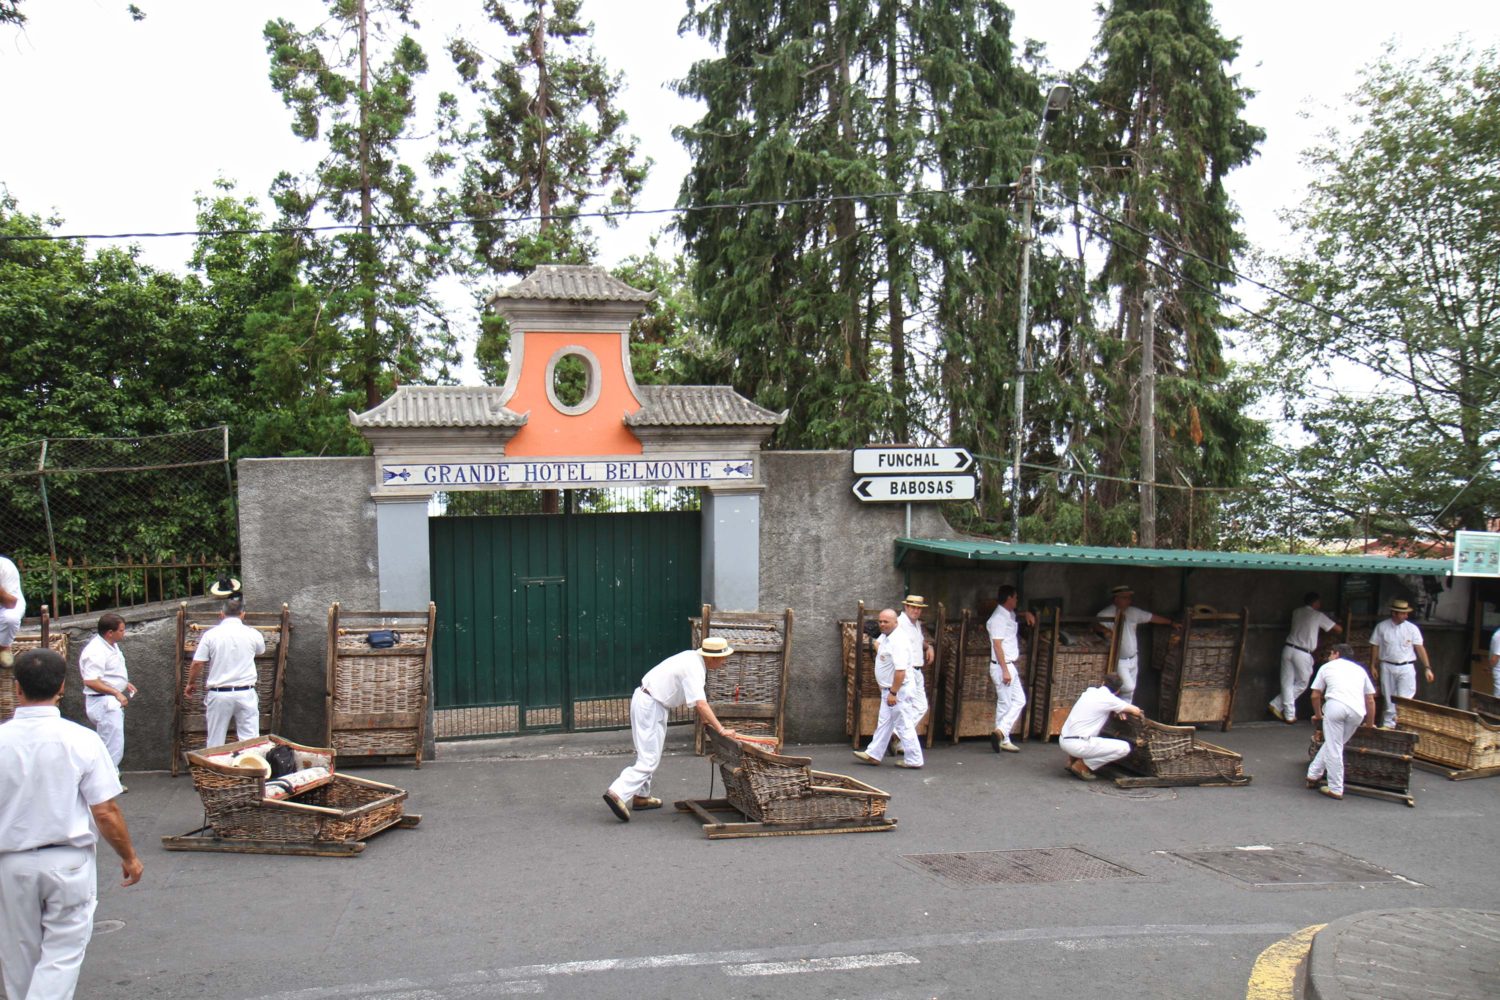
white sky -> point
(115, 125)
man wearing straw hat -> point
(674, 682)
(1398, 647)
(920, 654)
(1127, 662)
(57, 797)
(894, 660)
(12, 608)
(229, 650)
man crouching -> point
(676, 681)
(1088, 751)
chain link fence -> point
(98, 523)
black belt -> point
(99, 694)
(1302, 648)
(242, 687)
(43, 847)
(1393, 663)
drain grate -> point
(984, 868)
(1278, 866)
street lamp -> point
(1057, 103)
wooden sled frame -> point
(742, 629)
(371, 731)
(717, 829)
(203, 839)
(1456, 773)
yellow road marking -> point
(1275, 974)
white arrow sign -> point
(911, 461)
(913, 489)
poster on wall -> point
(1476, 553)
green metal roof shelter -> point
(1008, 555)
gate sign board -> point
(1476, 553)
(546, 474)
(913, 489)
(911, 461)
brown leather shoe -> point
(1330, 792)
(1080, 770)
(645, 802)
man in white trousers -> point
(12, 608)
(1127, 660)
(1088, 751)
(1005, 667)
(1342, 698)
(893, 662)
(676, 681)
(913, 693)
(1297, 654)
(1495, 663)
(228, 650)
(57, 788)
(1398, 648)
(102, 666)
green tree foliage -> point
(1393, 365)
(1161, 128)
(548, 141)
(377, 279)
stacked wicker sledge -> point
(1377, 763)
(1450, 741)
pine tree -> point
(376, 278)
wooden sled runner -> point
(1172, 756)
(313, 811)
(779, 796)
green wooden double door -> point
(549, 621)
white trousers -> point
(243, 707)
(648, 732)
(47, 900)
(1396, 681)
(895, 720)
(1495, 680)
(108, 717)
(1127, 667)
(1339, 723)
(1296, 671)
(10, 623)
(1010, 698)
(1095, 751)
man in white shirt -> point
(12, 608)
(1088, 751)
(57, 787)
(1122, 608)
(674, 682)
(1005, 667)
(1297, 654)
(1398, 647)
(1342, 698)
(1495, 663)
(102, 666)
(893, 663)
(229, 649)
(913, 693)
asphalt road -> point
(519, 881)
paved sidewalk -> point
(1431, 954)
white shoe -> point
(1009, 747)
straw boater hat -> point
(1121, 589)
(1400, 605)
(715, 646)
(915, 601)
(225, 586)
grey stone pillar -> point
(403, 553)
(731, 550)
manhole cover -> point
(107, 926)
(1288, 865)
(980, 868)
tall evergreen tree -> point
(361, 103)
(1169, 130)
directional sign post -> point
(913, 489)
(912, 461)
